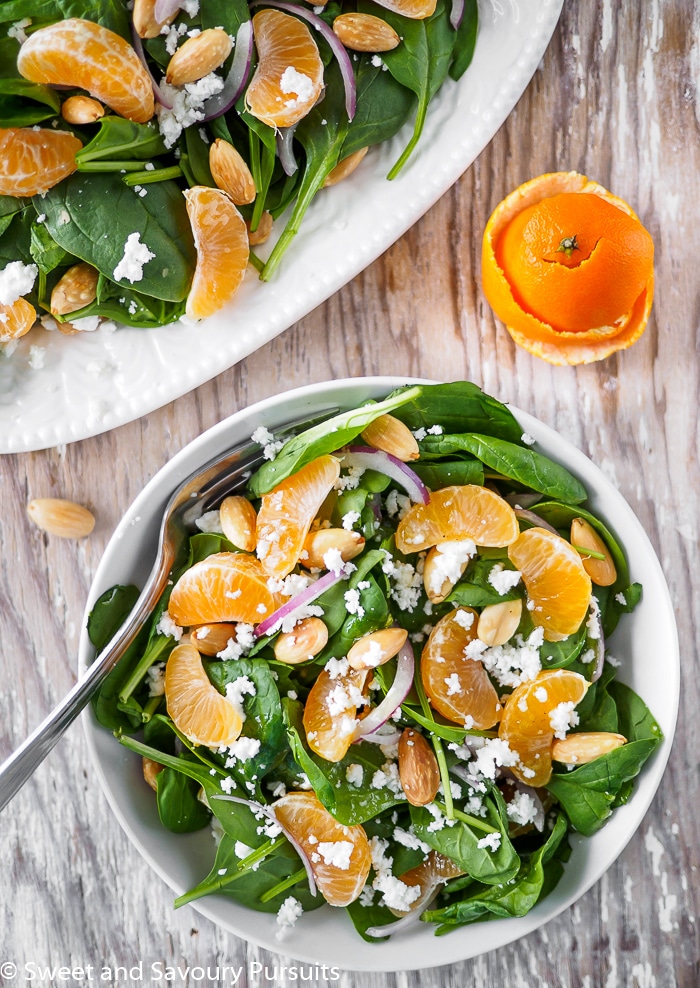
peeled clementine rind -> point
(330, 713)
(310, 823)
(468, 512)
(16, 319)
(80, 53)
(33, 161)
(525, 723)
(227, 586)
(221, 240)
(555, 580)
(289, 77)
(196, 707)
(576, 307)
(471, 694)
(287, 511)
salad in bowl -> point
(380, 673)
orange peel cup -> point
(571, 276)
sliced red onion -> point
(334, 42)
(237, 78)
(377, 737)
(522, 500)
(399, 690)
(370, 458)
(157, 91)
(165, 9)
(285, 149)
(298, 602)
(599, 640)
(269, 812)
(535, 520)
(457, 13)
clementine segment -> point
(287, 511)
(555, 580)
(80, 53)
(414, 9)
(330, 713)
(227, 586)
(340, 856)
(221, 240)
(429, 875)
(196, 707)
(289, 76)
(16, 319)
(458, 687)
(33, 160)
(468, 512)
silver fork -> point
(197, 494)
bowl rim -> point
(391, 955)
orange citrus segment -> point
(340, 856)
(532, 714)
(194, 704)
(227, 586)
(33, 161)
(289, 76)
(287, 511)
(80, 53)
(221, 239)
(330, 713)
(414, 9)
(428, 875)
(16, 319)
(568, 267)
(458, 687)
(469, 512)
(555, 580)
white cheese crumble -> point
(496, 753)
(465, 619)
(16, 279)
(242, 643)
(336, 853)
(270, 445)
(17, 31)
(210, 521)
(155, 677)
(287, 915)
(562, 718)
(502, 580)
(510, 664)
(37, 355)
(522, 809)
(242, 850)
(349, 519)
(354, 774)
(490, 841)
(397, 505)
(454, 685)
(292, 81)
(449, 563)
(235, 691)
(527, 439)
(186, 105)
(87, 324)
(352, 602)
(166, 626)
(333, 561)
(136, 255)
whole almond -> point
(583, 536)
(145, 23)
(198, 56)
(65, 519)
(76, 289)
(82, 110)
(345, 167)
(231, 173)
(305, 641)
(317, 544)
(376, 648)
(150, 771)
(210, 639)
(499, 622)
(577, 749)
(392, 436)
(418, 768)
(443, 567)
(238, 522)
(365, 32)
(261, 234)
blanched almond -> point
(262, 232)
(145, 23)
(238, 522)
(82, 110)
(317, 544)
(66, 519)
(443, 567)
(306, 640)
(499, 622)
(583, 536)
(150, 771)
(198, 56)
(391, 435)
(418, 768)
(344, 168)
(376, 648)
(210, 639)
(365, 32)
(76, 289)
(230, 172)
(577, 749)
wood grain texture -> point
(616, 98)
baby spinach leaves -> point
(459, 406)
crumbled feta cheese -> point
(397, 505)
(527, 439)
(16, 279)
(349, 520)
(562, 718)
(265, 438)
(510, 664)
(490, 841)
(242, 750)
(405, 581)
(395, 893)
(420, 434)
(465, 619)
(336, 853)
(292, 81)
(235, 691)
(243, 642)
(333, 561)
(541, 694)
(37, 355)
(621, 599)
(166, 626)
(287, 915)
(449, 563)
(387, 777)
(435, 430)
(210, 521)
(17, 31)
(136, 255)
(87, 324)
(454, 684)
(242, 850)
(352, 602)
(410, 840)
(495, 753)
(351, 480)
(186, 105)
(155, 677)
(337, 667)
(172, 35)
(502, 580)
(354, 774)
(522, 809)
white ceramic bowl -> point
(327, 936)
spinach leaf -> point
(105, 620)
(229, 14)
(178, 807)
(466, 40)
(383, 106)
(92, 216)
(475, 590)
(130, 307)
(365, 917)
(119, 138)
(326, 437)
(459, 406)
(375, 616)
(447, 473)
(598, 711)
(15, 243)
(10, 206)
(44, 249)
(109, 13)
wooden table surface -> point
(615, 97)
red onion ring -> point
(334, 43)
(285, 149)
(522, 500)
(457, 13)
(138, 48)
(535, 520)
(399, 690)
(391, 737)
(269, 812)
(306, 596)
(165, 9)
(237, 78)
(376, 459)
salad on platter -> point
(380, 673)
(146, 148)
